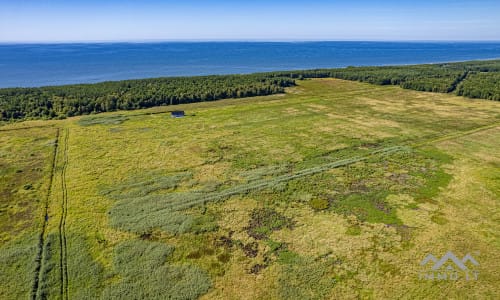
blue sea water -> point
(27, 65)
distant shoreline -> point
(473, 79)
(232, 74)
(39, 65)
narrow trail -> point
(41, 242)
(267, 183)
(210, 197)
(62, 223)
(455, 84)
(454, 135)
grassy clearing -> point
(24, 166)
(266, 198)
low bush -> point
(319, 203)
(264, 221)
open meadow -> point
(334, 190)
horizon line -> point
(144, 41)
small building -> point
(177, 114)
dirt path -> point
(62, 223)
(453, 135)
(62, 141)
(41, 242)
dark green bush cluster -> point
(319, 203)
(263, 221)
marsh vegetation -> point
(336, 189)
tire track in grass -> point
(454, 135)
(257, 185)
(41, 242)
(267, 183)
(63, 260)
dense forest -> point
(475, 79)
(72, 100)
(442, 78)
(481, 85)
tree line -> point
(417, 77)
(475, 79)
(71, 100)
(442, 78)
(481, 85)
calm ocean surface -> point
(55, 64)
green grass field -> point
(334, 190)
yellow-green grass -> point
(358, 230)
(25, 170)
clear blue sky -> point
(140, 20)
